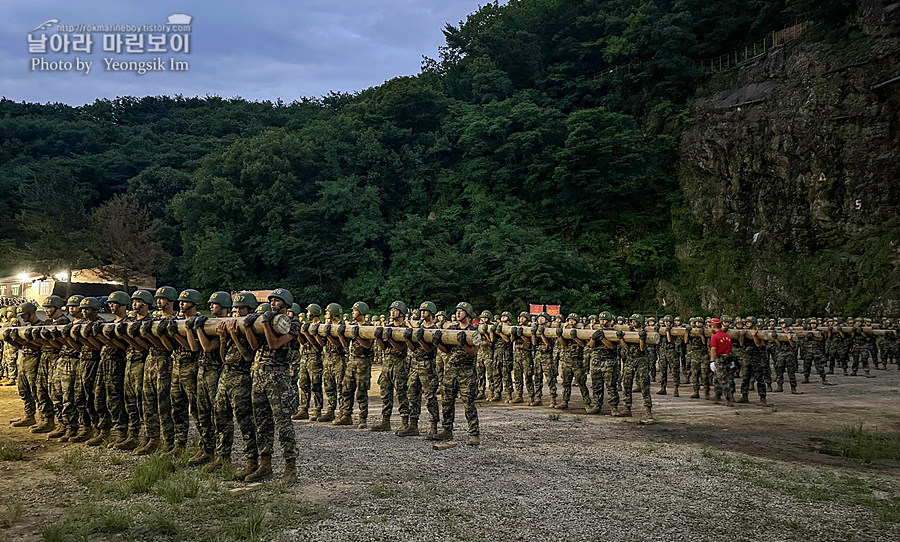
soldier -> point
(871, 344)
(47, 365)
(86, 370)
(572, 363)
(721, 362)
(543, 363)
(334, 361)
(109, 384)
(459, 378)
(185, 358)
(358, 376)
(441, 357)
(28, 360)
(235, 390)
(503, 352)
(422, 376)
(272, 390)
(652, 352)
(158, 375)
(523, 362)
(10, 352)
(681, 353)
(604, 366)
(484, 362)
(63, 385)
(697, 354)
(812, 349)
(759, 364)
(309, 384)
(135, 360)
(859, 350)
(668, 361)
(636, 369)
(209, 371)
(394, 370)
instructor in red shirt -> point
(720, 362)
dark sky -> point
(255, 49)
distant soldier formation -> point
(135, 381)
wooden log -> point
(448, 337)
(581, 334)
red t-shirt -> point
(721, 342)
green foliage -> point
(11, 451)
(854, 442)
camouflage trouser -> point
(892, 352)
(357, 379)
(46, 368)
(759, 369)
(723, 376)
(573, 369)
(333, 369)
(699, 369)
(85, 377)
(482, 365)
(744, 369)
(10, 360)
(459, 380)
(786, 361)
(636, 370)
(65, 380)
(207, 387)
(813, 357)
(860, 353)
(605, 374)
(109, 394)
(523, 373)
(392, 381)
(27, 382)
(309, 383)
(652, 359)
(234, 401)
(134, 395)
(544, 368)
(667, 363)
(440, 360)
(184, 398)
(157, 400)
(272, 392)
(423, 381)
(842, 355)
(682, 360)
(495, 372)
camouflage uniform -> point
(605, 373)
(759, 368)
(357, 379)
(739, 351)
(681, 358)
(310, 382)
(209, 373)
(135, 359)
(698, 356)
(64, 389)
(11, 361)
(29, 359)
(183, 393)
(523, 368)
(393, 380)
(813, 352)
(460, 379)
(484, 362)
(842, 351)
(494, 372)
(544, 368)
(109, 389)
(503, 352)
(272, 392)
(47, 374)
(723, 376)
(636, 370)
(572, 361)
(785, 360)
(85, 386)
(157, 395)
(334, 365)
(859, 352)
(234, 402)
(668, 361)
(422, 381)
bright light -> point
(61, 276)
(22, 277)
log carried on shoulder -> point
(572, 333)
(449, 337)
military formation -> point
(135, 381)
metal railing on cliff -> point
(755, 50)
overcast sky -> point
(256, 49)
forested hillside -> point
(535, 159)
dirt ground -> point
(536, 476)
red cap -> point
(715, 321)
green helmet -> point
(592, 318)
(296, 309)
(333, 309)
(606, 315)
(507, 314)
(314, 310)
(223, 299)
(246, 299)
(440, 313)
(416, 314)
(263, 307)
(399, 305)
(53, 301)
(750, 320)
(143, 295)
(572, 316)
(119, 297)
(485, 315)
(637, 318)
(74, 300)
(788, 322)
(167, 292)
(428, 306)
(29, 307)
(90, 303)
(524, 314)
(192, 296)
(361, 307)
(467, 308)
(283, 295)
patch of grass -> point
(553, 416)
(11, 513)
(250, 525)
(161, 522)
(178, 487)
(387, 490)
(11, 451)
(152, 470)
(85, 522)
(867, 446)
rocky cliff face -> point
(791, 180)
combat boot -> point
(825, 382)
(217, 463)
(553, 402)
(662, 391)
(290, 471)
(327, 417)
(588, 406)
(404, 423)
(99, 438)
(301, 414)
(263, 471)
(131, 443)
(648, 416)
(535, 401)
(867, 376)
(474, 440)
(676, 392)
(769, 386)
(58, 432)
(147, 449)
(46, 426)
(780, 388)
(695, 395)
(481, 396)
(831, 371)
(706, 394)
(432, 431)
(563, 405)
(517, 399)
(385, 424)
(26, 421)
(362, 423)
(251, 467)
(70, 433)
(200, 458)
(743, 399)
(729, 401)
(623, 412)
(412, 429)
(794, 390)
(845, 371)
(444, 434)
(314, 414)
(594, 409)
(762, 402)
(806, 379)
(84, 434)
(343, 419)
(120, 436)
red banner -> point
(536, 309)
(553, 310)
